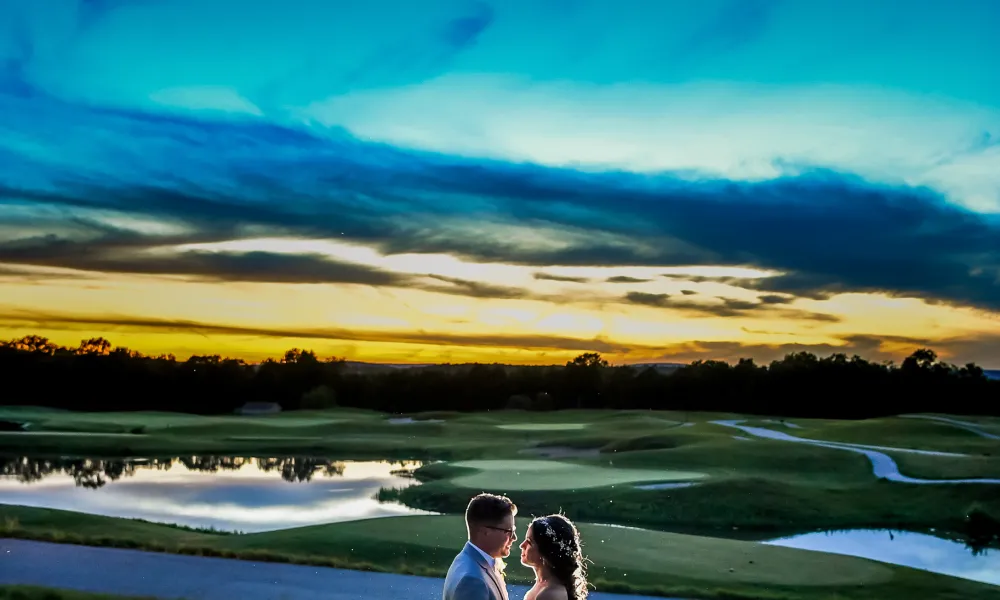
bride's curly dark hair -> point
(558, 541)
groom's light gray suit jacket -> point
(472, 578)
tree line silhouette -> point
(97, 376)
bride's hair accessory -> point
(558, 543)
(564, 546)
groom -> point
(477, 571)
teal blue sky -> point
(850, 147)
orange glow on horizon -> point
(579, 310)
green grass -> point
(988, 423)
(58, 420)
(752, 489)
(340, 432)
(27, 592)
(948, 467)
(738, 508)
(765, 459)
(521, 475)
(623, 560)
(655, 441)
(918, 434)
(542, 426)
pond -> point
(221, 492)
(917, 550)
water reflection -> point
(916, 550)
(222, 492)
(94, 473)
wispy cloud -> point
(477, 289)
(112, 323)
(727, 307)
(561, 278)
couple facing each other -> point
(551, 547)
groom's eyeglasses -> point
(511, 533)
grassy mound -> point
(945, 467)
(542, 426)
(521, 475)
(745, 508)
(796, 463)
(917, 434)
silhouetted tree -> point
(94, 347)
(319, 397)
(92, 377)
(34, 344)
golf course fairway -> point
(755, 489)
(531, 475)
(542, 426)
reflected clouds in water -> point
(229, 493)
(916, 550)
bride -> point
(552, 548)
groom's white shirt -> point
(492, 561)
(473, 576)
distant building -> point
(259, 408)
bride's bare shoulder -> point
(553, 592)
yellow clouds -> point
(439, 308)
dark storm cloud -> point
(128, 253)
(827, 232)
(118, 256)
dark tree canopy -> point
(98, 376)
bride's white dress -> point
(533, 592)
(537, 589)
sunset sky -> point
(517, 181)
